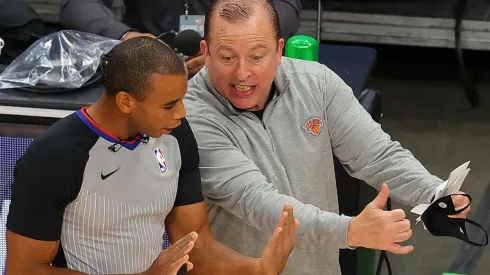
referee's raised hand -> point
(281, 244)
(171, 259)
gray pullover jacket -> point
(251, 167)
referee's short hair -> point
(130, 64)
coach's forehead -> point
(258, 23)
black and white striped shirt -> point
(104, 199)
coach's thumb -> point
(380, 201)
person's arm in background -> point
(94, 16)
(289, 16)
(231, 180)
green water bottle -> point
(302, 47)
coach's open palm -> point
(281, 243)
(171, 259)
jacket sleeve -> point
(367, 152)
(231, 180)
(289, 16)
(91, 16)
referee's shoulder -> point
(183, 132)
(66, 138)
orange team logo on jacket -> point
(313, 126)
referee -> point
(95, 192)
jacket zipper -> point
(263, 116)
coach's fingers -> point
(398, 249)
(402, 236)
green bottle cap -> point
(302, 47)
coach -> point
(268, 128)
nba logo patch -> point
(162, 164)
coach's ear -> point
(280, 49)
(205, 51)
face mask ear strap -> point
(479, 226)
(464, 208)
(104, 61)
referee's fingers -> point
(292, 229)
(182, 244)
(174, 267)
(179, 252)
(287, 225)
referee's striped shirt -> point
(104, 199)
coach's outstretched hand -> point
(378, 229)
(281, 243)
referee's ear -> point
(125, 102)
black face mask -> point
(438, 223)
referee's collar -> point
(130, 144)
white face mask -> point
(1, 45)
